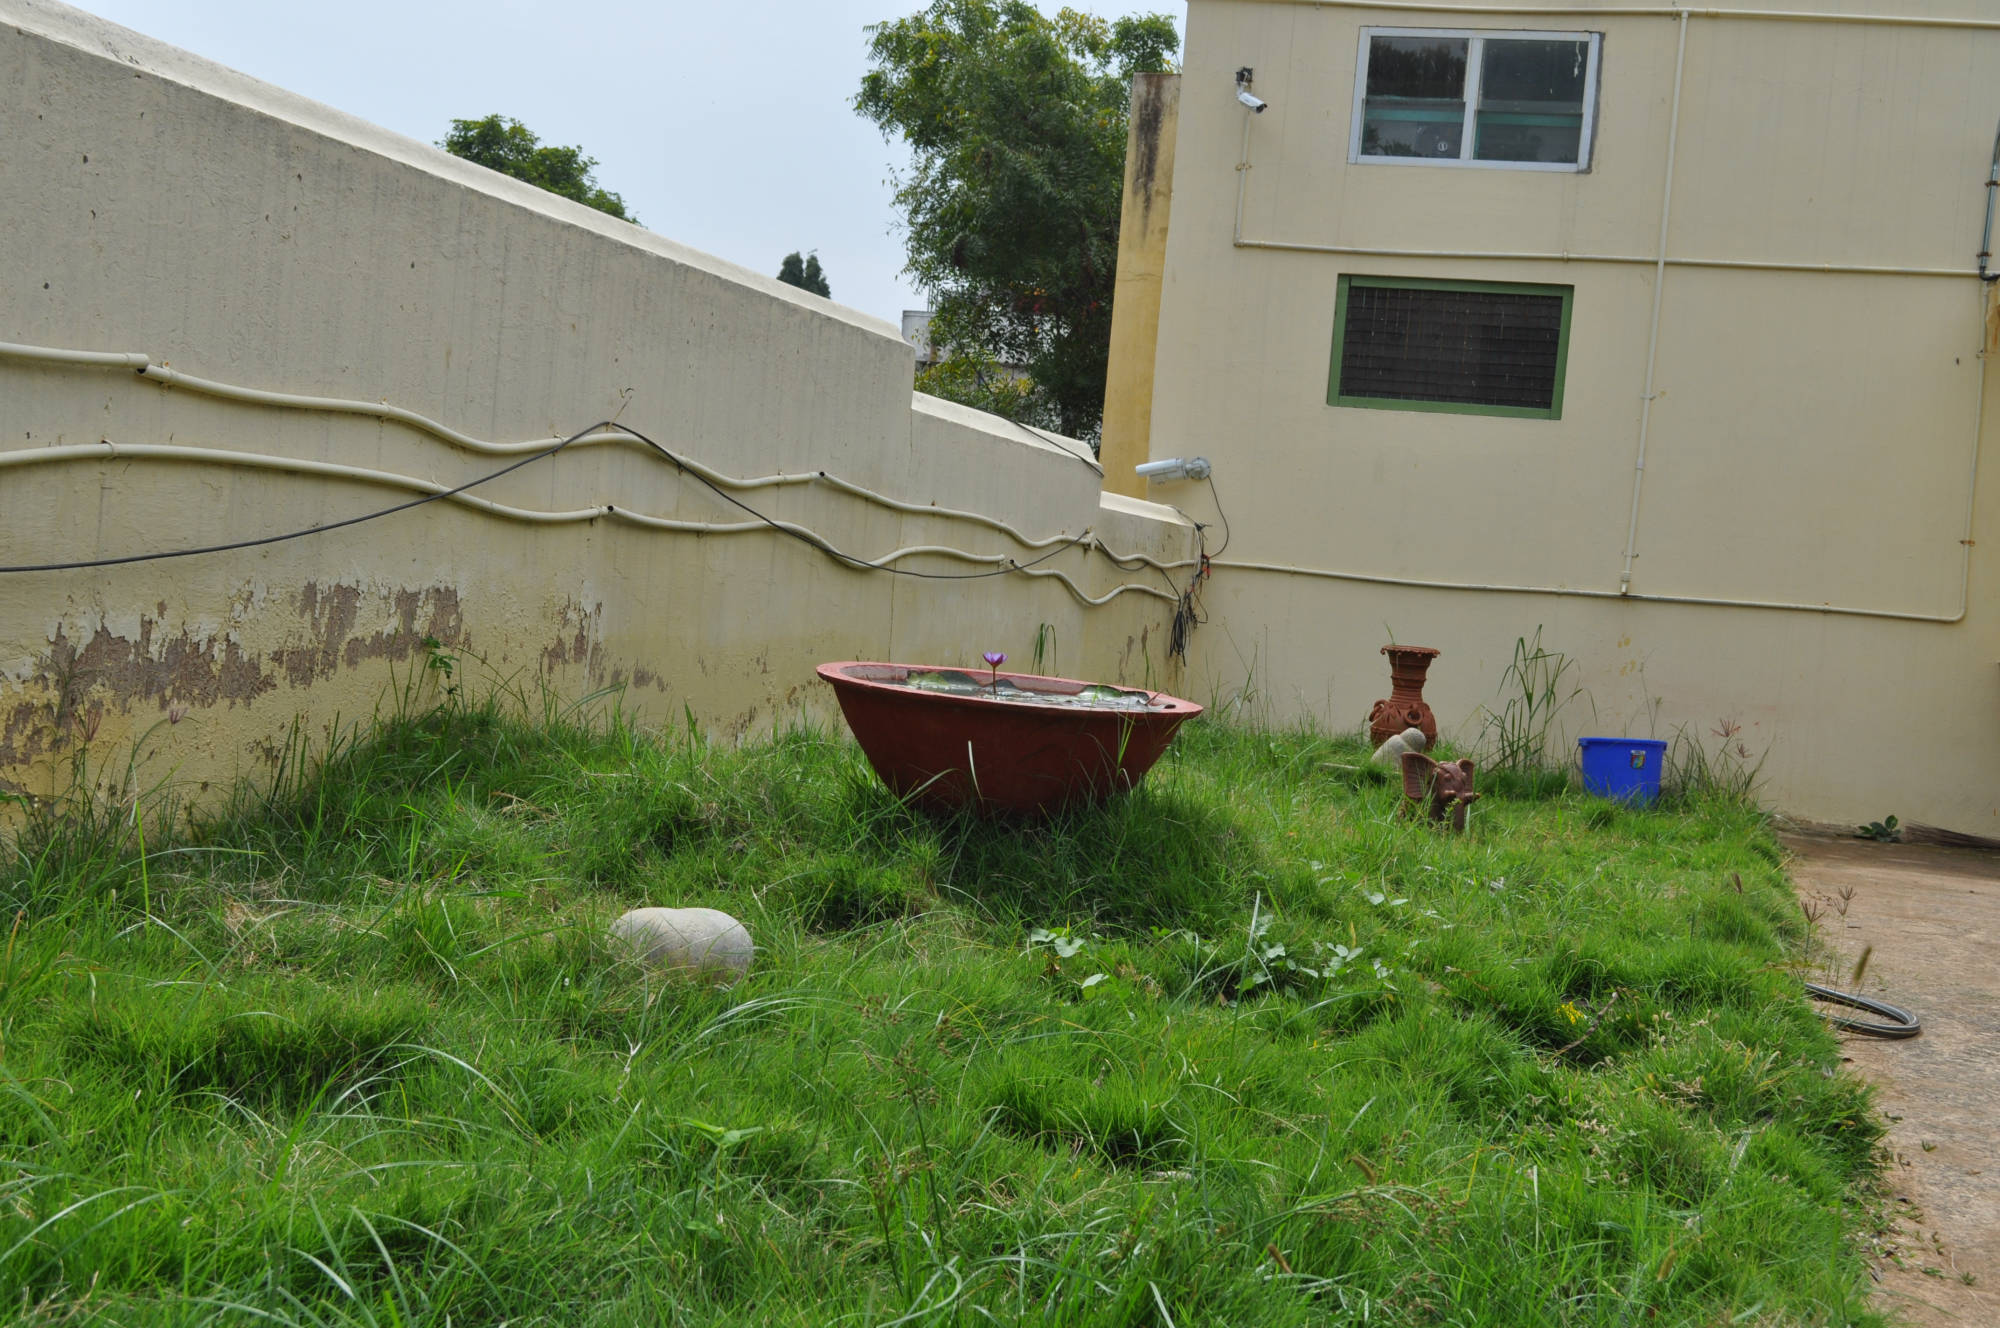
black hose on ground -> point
(1905, 1025)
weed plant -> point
(1243, 1047)
(1730, 773)
(1537, 685)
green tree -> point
(804, 273)
(971, 377)
(1016, 122)
(503, 144)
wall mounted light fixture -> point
(1175, 468)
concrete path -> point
(1932, 916)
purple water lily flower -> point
(994, 659)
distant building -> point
(917, 331)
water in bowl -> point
(953, 682)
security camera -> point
(1244, 77)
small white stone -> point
(704, 942)
(1391, 752)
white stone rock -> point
(703, 942)
(1391, 752)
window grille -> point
(1417, 344)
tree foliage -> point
(503, 144)
(804, 273)
(972, 377)
(1016, 122)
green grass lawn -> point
(1242, 1048)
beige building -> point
(1659, 330)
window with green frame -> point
(1471, 347)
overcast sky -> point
(726, 126)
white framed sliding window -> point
(1516, 101)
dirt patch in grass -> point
(1929, 919)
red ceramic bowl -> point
(1027, 745)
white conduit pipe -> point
(336, 405)
(109, 359)
(1636, 260)
(162, 374)
(1575, 592)
(109, 450)
(1653, 333)
(1675, 11)
(1787, 606)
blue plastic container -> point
(1624, 768)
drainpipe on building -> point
(1991, 280)
(1986, 236)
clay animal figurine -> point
(1391, 752)
(1445, 786)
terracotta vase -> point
(1405, 706)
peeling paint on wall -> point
(25, 735)
(332, 612)
(577, 640)
(79, 677)
(92, 669)
(197, 670)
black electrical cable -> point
(1133, 562)
(1188, 614)
(810, 540)
(1905, 1025)
(815, 542)
(1220, 514)
(1095, 465)
(1187, 610)
(1187, 617)
(1097, 469)
(310, 530)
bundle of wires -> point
(814, 541)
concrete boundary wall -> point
(160, 207)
